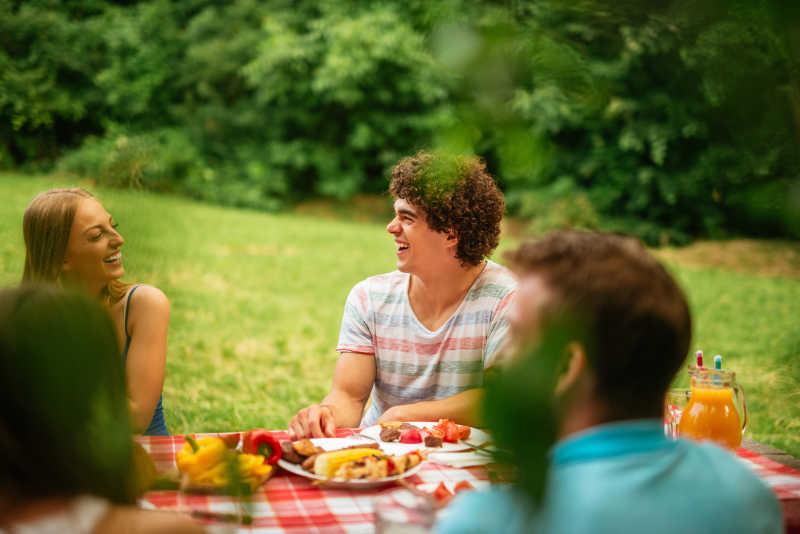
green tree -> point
(47, 60)
(641, 109)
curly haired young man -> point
(419, 338)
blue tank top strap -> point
(125, 323)
(157, 427)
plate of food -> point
(444, 435)
(348, 463)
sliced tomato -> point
(411, 435)
(442, 494)
(448, 429)
(451, 436)
(436, 432)
(463, 432)
(463, 485)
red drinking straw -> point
(699, 358)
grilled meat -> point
(289, 454)
(390, 434)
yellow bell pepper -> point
(206, 462)
(209, 453)
(253, 469)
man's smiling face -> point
(419, 248)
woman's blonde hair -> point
(46, 226)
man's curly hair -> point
(456, 193)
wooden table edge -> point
(768, 451)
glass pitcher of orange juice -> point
(711, 412)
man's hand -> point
(315, 421)
(395, 413)
(353, 378)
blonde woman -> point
(72, 241)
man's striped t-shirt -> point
(414, 364)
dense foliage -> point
(676, 117)
(664, 119)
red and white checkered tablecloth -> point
(289, 503)
(784, 481)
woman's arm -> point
(148, 318)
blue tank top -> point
(157, 425)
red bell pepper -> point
(259, 441)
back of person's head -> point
(634, 319)
(46, 225)
(64, 428)
(457, 194)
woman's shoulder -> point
(146, 295)
(146, 300)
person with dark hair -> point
(601, 329)
(72, 241)
(420, 338)
(66, 462)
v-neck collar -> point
(457, 310)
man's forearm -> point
(463, 408)
(346, 410)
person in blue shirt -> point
(616, 327)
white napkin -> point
(460, 459)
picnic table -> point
(289, 503)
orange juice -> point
(711, 414)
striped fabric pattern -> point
(412, 363)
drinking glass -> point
(675, 401)
(402, 512)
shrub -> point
(160, 160)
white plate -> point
(476, 437)
(332, 444)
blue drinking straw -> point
(718, 367)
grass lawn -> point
(257, 301)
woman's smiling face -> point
(93, 257)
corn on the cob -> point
(328, 463)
